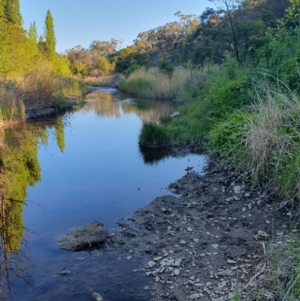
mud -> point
(206, 240)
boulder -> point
(85, 237)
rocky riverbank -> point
(207, 240)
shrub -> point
(153, 135)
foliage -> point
(153, 135)
(50, 40)
(165, 66)
(131, 69)
(12, 12)
(284, 270)
(95, 61)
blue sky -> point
(79, 22)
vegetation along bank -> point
(233, 71)
(34, 80)
(240, 96)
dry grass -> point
(11, 103)
(272, 137)
(38, 88)
(151, 83)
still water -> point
(70, 171)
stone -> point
(189, 229)
(97, 296)
(176, 272)
(151, 264)
(85, 237)
(230, 261)
(224, 273)
(177, 262)
(237, 189)
(182, 242)
(215, 246)
(194, 296)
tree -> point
(2, 16)
(32, 35)
(12, 11)
(228, 7)
(50, 40)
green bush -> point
(226, 138)
(131, 69)
(153, 135)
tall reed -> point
(152, 83)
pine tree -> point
(12, 11)
(50, 36)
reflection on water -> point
(91, 169)
(106, 104)
(19, 168)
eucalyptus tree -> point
(228, 7)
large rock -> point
(85, 237)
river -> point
(66, 172)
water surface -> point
(83, 166)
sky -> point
(79, 22)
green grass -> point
(283, 275)
(153, 135)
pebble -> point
(231, 261)
(176, 272)
(177, 262)
(237, 189)
(151, 264)
(189, 229)
(64, 273)
(194, 296)
(97, 297)
(215, 246)
(224, 273)
(182, 242)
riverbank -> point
(208, 240)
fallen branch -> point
(255, 276)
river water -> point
(70, 171)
